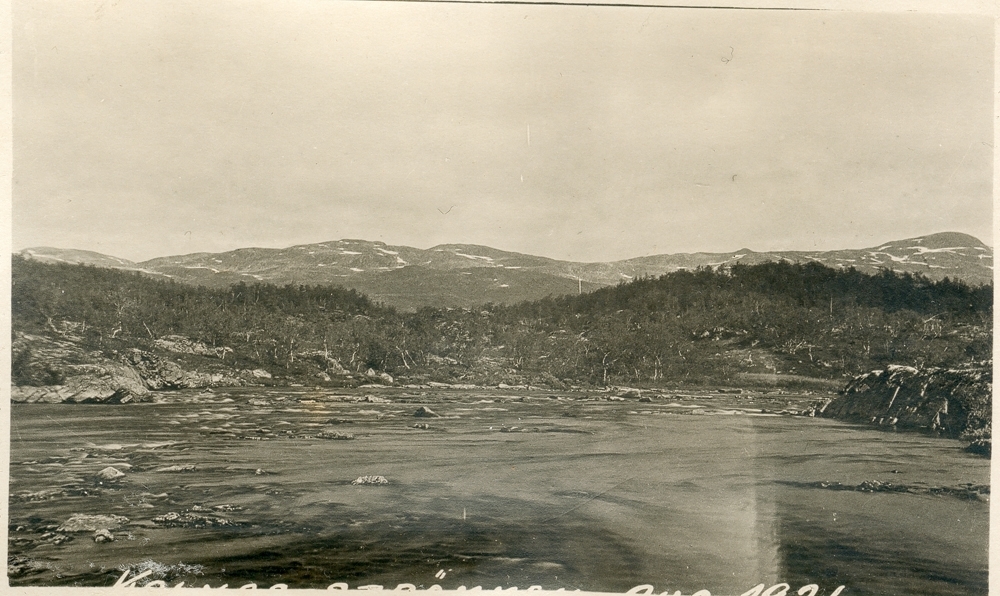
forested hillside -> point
(759, 324)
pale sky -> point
(144, 129)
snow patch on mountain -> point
(950, 249)
(474, 257)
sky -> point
(587, 133)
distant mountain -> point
(455, 275)
(46, 254)
(948, 254)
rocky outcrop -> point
(108, 382)
(160, 373)
(956, 403)
(54, 369)
(51, 378)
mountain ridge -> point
(464, 275)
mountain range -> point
(464, 275)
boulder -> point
(425, 412)
(103, 536)
(370, 480)
(110, 473)
(79, 522)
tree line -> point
(701, 326)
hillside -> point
(45, 254)
(769, 323)
(463, 275)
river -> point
(694, 490)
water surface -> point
(562, 490)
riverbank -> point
(59, 370)
(953, 403)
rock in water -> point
(188, 519)
(332, 434)
(425, 412)
(110, 473)
(363, 480)
(103, 536)
(79, 522)
(175, 468)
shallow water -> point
(505, 489)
